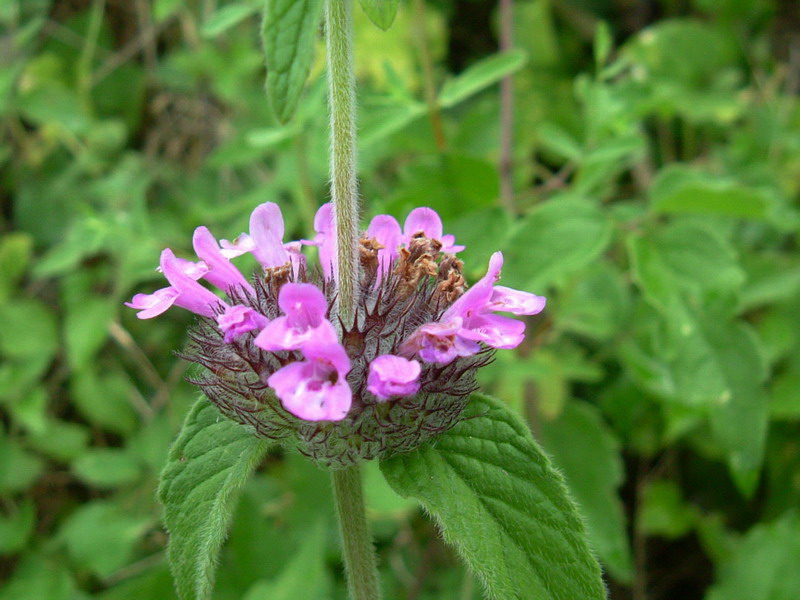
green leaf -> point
(305, 576)
(37, 578)
(226, 17)
(594, 472)
(17, 527)
(664, 512)
(107, 548)
(381, 12)
(86, 328)
(15, 253)
(557, 237)
(290, 31)
(683, 258)
(18, 468)
(765, 566)
(500, 502)
(107, 467)
(207, 466)
(480, 76)
(740, 414)
(678, 189)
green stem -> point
(359, 555)
(341, 97)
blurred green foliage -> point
(656, 155)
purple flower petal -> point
(238, 320)
(391, 375)
(495, 331)
(423, 220)
(386, 231)
(325, 240)
(475, 299)
(439, 343)
(191, 295)
(316, 389)
(505, 299)
(305, 307)
(152, 305)
(427, 222)
(266, 231)
(221, 271)
(241, 245)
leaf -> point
(559, 236)
(678, 189)
(289, 32)
(15, 253)
(739, 417)
(500, 502)
(305, 576)
(18, 468)
(683, 258)
(664, 512)
(37, 578)
(380, 12)
(765, 566)
(594, 471)
(86, 328)
(107, 548)
(207, 466)
(107, 467)
(226, 17)
(479, 76)
(16, 528)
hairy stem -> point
(359, 555)
(342, 106)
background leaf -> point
(381, 12)
(499, 501)
(290, 31)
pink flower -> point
(325, 240)
(391, 375)
(386, 231)
(316, 389)
(427, 222)
(471, 319)
(221, 271)
(183, 291)
(238, 320)
(304, 307)
(265, 240)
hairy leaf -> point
(208, 464)
(290, 29)
(500, 502)
(381, 12)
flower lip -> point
(237, 320)
(304, 306)
(426, 221)
(316, 389)
(221, 271)
(391, 375)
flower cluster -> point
(278, 358)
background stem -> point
(507, 109)
(359, 555)
(341, 95)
